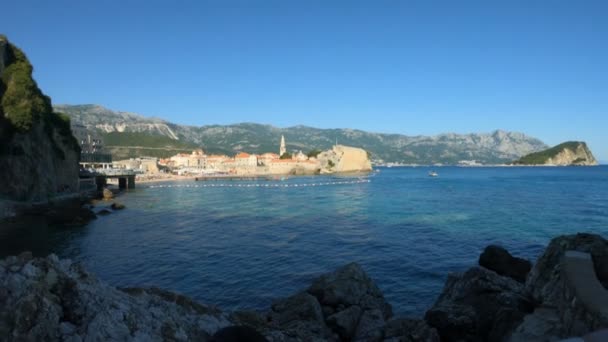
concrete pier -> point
(126, 178)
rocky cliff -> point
(503, 299)
(38, 154)
(344, 159)
(568, 153)
(495, 147)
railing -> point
(95, 158)
(115, 172)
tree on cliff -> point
(38, 153)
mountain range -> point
(130, 135)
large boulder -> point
(560, 313)
(409, 330)
(499, 260)
(478, 305)
(69, 213)
(299, 317)
(545, 280)
(352, 304)
(347, 286)
(107, 194)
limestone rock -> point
(69, 213)
(300, 317)
(345, 322)
(344, 159)
(544, 281)
(475, 305)
(104, 212)
(107, 194)
(499, 260)
(117, 206)
(238, 333)
(564, 154)
(348, 286)
(559, 312)
(55, 300)
(409, 330)
(371, 326)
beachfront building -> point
(216, 161)
(245, 160)
(266, 158)
(143, 164)
(299, 156)
(197, 159)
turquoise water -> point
(242, 246)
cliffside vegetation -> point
(22, 103)
(542, 157)
(38, 153)
(124, 145)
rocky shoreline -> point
(503, 299)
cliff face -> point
(38, 153)
(581, 155)
(568, 153)
(344, 159)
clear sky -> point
(411, 67)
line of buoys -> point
(258, 185)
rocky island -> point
(565, 154)
(503, 299)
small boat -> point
(433, 174)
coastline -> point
(501, 298)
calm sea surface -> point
(240, 247)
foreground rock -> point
(342, 305)
(478, 305)
(117, 206)
(107, 194)
(560, 312)
(489, 305)
(499, 260)
(55, 300)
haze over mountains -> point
(130, 135)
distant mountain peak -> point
(498, 146)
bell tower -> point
(282, 149)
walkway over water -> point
(126, 178)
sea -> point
(242, 244)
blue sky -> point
(411, 67)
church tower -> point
(282, 149)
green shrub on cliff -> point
(22, 101)
(22, 105)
